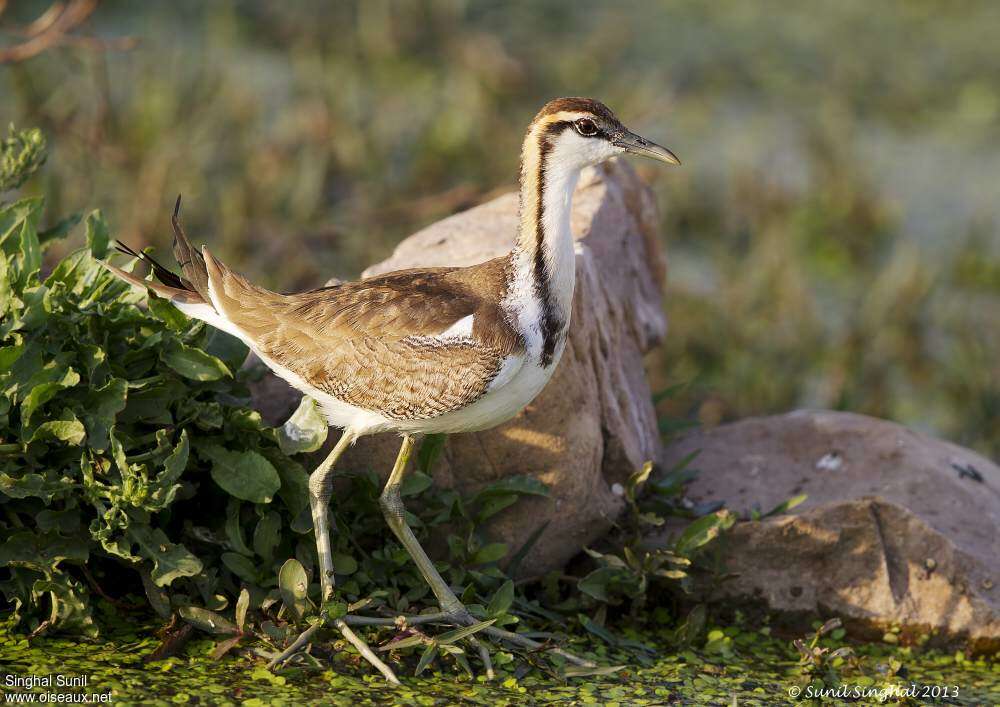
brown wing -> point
(377, 343)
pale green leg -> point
(394, 512)
(395, 516)
(320, 490)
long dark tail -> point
(165, 276)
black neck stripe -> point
(551, 318)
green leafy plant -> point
(626, 574)
(22, 152)
(112, 419)
(819, 664)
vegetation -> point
(734, 664)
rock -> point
(594, 424)
(899, 528)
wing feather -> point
(381, 344)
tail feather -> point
(188, 257)
(162, 274)
(178, 295)
(190, 288)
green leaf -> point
(596, 583)
(525, 485)
(429, 654)
(501, 602)
(167, 313)
(494, 504)
(430, 450)
(294, 586)
(103, 405)
(70, 431)
(267, 535)
(21, 154)
(69, 608)
(42, 551)
(344, 564)
(515, 562)
(175, 463)
(305, 430)
(234, 528)
(44, 392)
(97, 234)
(636, 480)
(158, 598)
(598, 630)
(242, 604)
(193, 363)
(206, 620)
(786, 506)
(60, 230)
(415, 483)
(170, 561)
(246, 475)
(33, 485)
(240, 565)
(227, 347)
(334, 610)
(19, 238)
(575, 671)
(38, 396)
(460, 633)
(702, 531)
(8, 355)
(489, 553)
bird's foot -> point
(366, 652)
(460, 616)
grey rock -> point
(899, 529)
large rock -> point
(898, 529)
(594, 423)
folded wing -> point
(412, 344)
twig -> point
(173, 643)
(48, 29)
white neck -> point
(544, 258)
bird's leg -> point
(395, 515)
(320, 490)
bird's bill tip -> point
(635, 145)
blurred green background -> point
(833, 235)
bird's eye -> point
(586, 127)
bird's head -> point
(576, 132)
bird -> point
(423, 350)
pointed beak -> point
(636, 145)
